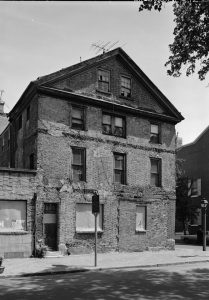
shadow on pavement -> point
(110, 284)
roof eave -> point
(107, 104)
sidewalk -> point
(85, 262)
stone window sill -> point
(126, 98)
(88, 231)
(141, 231)
(103, 92)
(14, 232)
(152, 143)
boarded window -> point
(85, 220)
(12, 215)
(140, 218)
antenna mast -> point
(104, 47)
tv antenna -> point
(104, 47)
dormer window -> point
(104, 81)
(125, 87)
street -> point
(188, 281)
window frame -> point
(83, 158)
(124, 170)
(198, 183)
(159, 173)
(26, 215)
(159, 136)
(112, 122)
(82, 109)
(90, 230)
(98, 80)
(121, 86)
(145, 218)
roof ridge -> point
(84, 63)
(196, 140)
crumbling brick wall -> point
(55, 139)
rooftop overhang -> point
(94, 101)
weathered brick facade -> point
(18, 185)
(48, 134)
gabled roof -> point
(196, 140)
(120, 54)
(3, 122)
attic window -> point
(104, 80)
(125, 87)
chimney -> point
(2, 107)
(1, 103)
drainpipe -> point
(34, 226)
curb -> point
(82, 270)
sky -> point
(38, 38)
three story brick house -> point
(100, 125)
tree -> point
(185, 212)
(190, 47)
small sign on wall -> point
(140, 218)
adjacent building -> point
(195, 163)
(100, 125)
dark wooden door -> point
(50, 225)
(51, 235)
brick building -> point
(195, 163)
(100, 125)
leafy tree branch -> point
(190, 47)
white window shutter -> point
(199, 186)
(189, 187)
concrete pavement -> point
(85, 262)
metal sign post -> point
(95, 249)
(95, 211)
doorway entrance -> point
(50, 225)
